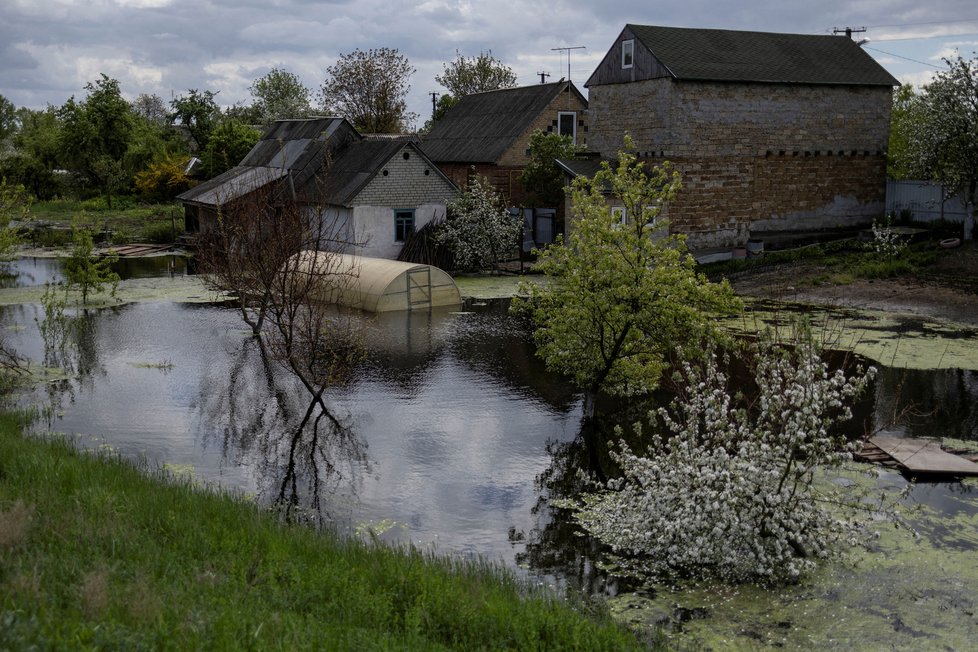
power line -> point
(900, 56)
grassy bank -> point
(96, 554)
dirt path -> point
(946, 290)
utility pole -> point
(434, 104)
(849, 31)
(575, 47)
(543, 77)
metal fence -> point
(925, 200)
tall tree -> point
(279, 95)
(541, 178)
(466, 75)
(228, 144)
(369, 88)
(903, 116)
(36, 153)
(151, 108)
(198, 112)
(942, 140)
(621, 296)
(95, 135)
(8, 120)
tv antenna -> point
(573, 47)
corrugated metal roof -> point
(482, 126)
(726, 55)
(233, 184)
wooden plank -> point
(923, 456)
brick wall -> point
(516, 155)
(408, 182)
(754, 157)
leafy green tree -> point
(279, 95)
(478, 229)
(86, 271)
(198, 113)
(8, 121)
(369, 88)
(621, 296)
(95, 135)
(466, 75)
(36, 153)
(942, 139)
(541, 178)
(903, 116)
(230, 141)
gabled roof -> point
(738, 56)
(482, 126)
(359, 162)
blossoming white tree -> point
(729, 492)
(479, 230)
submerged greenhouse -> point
(378, 284)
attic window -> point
(627, 53)
(567, 124)
(407, 155)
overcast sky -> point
(49, 49)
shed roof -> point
(380, 285)
(482, 126)
(295, 148)
(739, 56)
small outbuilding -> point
(381, 285)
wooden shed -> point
(380, 285)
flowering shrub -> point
(479, 229)
(728, 493)
(886, 242)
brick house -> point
(375, 190)
(488, 134)
(771, 132)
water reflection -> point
(451, 430)
(35, 270)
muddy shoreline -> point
(946, 290)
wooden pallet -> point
(922, 457)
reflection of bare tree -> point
(272, 248)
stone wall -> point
(754, 157)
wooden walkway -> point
(923, 457)
(131, 251)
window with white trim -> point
(619, 213)
(567, 124)
(627, 53)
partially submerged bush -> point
(729, 492)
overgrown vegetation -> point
(96, 554)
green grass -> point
(127, 220)
(96, 554)
(838, 263)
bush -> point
(163, 180)
(158, 232)
(728, 493)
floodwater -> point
(451, 435)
